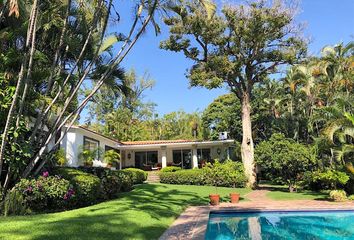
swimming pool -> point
(273, 225)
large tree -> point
(239, 47)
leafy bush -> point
(285, 159)
(126, 180)
(122, 181)
(86, 185)
(60, 158)
(351, 197)
(170, 169)
(185, 177)
(338, 195)
(138, 175)
(227, 174)
(45, 192)
(327, 179)
(14, 203)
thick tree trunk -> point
(247, 146)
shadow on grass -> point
(144, 213)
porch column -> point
(194, 157)
(163, 156)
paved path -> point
(257, 195)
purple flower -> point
(29, 189)
(45, 174)
(69, 194)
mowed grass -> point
(144, 213)
(303, 195)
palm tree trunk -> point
(74, 115)
(247, 146)
(16, 95)
(29, 70)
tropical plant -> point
(284, 159)
(111, 156)
(238, 48)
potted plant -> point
(111, 157)
(234, 177)
(213, 178)
(234, 196)
(87, 156)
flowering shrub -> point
(86, 186)
(45, 192)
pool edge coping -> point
(192, 223)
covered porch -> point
(187, 154)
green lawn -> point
(303, 195)
(143, 213)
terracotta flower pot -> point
(214, 199)
(235, 197)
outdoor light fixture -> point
(218, 151)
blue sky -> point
(328, 22)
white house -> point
(147, 155)
(79, 138)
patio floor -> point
(192, 223)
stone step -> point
(153, 177)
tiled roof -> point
(156, 142)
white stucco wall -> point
(169, 152)
(74, 140)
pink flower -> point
(45, 174)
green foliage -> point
(87, 156)
(284, 159)
(338, 195)
(111, 156)
(14, 203)
(223, 115)
(86, 186)
(170, 169)
(60, 157)
(45, 193)
(138, 175)
(126, 180)
(227, 174)
(185, 177)
(351, 197)
(327, 179)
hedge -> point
(87, 186)
(138, 175)
(170, 169)
(228, 174)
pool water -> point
(275, 225)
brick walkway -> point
(257, 195)
(193, 222)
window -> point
(143, 159)
(203, 155)
(108, 148)
(182, 158)
(92, 145)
